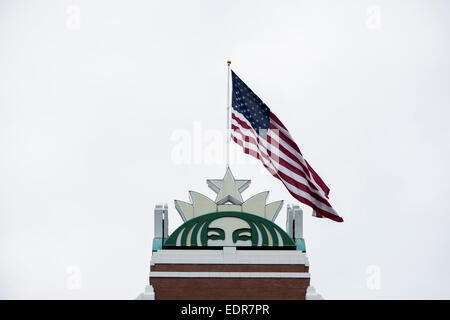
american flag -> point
(262, 135)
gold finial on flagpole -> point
(228, 62)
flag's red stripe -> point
(275, 118)
(286, 138)
(294, 158)
(288, 166)
(318, 179)
(318, 210)
(281, 135)
(293, 145)
(281, 161)
(303, 171)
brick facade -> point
(178, 288)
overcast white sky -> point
(95, 95)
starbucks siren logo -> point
(229, 220)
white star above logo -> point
(228, 189)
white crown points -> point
(228, 198)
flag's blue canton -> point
(246, 102)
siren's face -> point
(229, 232)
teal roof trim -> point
(157, 244)
(300, 244)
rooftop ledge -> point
(229, 255)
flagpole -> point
(228, 114)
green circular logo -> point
(229, 229)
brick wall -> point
(229, 288)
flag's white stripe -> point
(275, 152)
(281, 141)
(289, 173)
(291, 187)
(273, 135)
(294, 152)
(298, 156)
(299, 192)
(282, 129)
